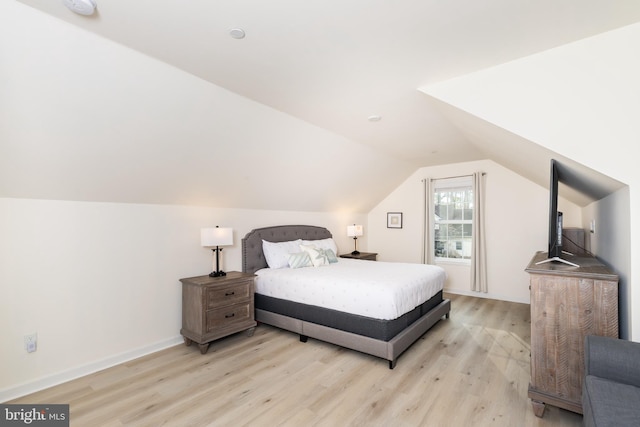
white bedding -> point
(381, 290)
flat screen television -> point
(555, 252)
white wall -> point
(516, 226)
(99, 282)
(611, 242)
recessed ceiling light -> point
(82, 7)
(374, 118)
(237, 33)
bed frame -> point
(253, 259)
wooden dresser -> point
(214, 307)
(567, 303)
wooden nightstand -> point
(214, 307)
(369, 256)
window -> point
(453, 219)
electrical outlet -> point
(31, 342)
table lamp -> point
(214, 238)
(354, 231)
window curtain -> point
(479, 252)
(427, 223)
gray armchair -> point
(611, 388)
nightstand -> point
(369, 256)
(214, 307)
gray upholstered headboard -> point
(252, 256)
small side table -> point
(214, 307)
(368, 256)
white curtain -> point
(479, 252)
(427, 223)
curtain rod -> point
(452, 177)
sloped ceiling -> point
(576, 101)
(581, 184)
(203, 118)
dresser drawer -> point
(228, 316)
(221, 296)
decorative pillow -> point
(277, 253)
(299, 260)
(328, 243)
(331, 256)
(318, 257)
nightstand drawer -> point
(218, 297)
(227, 316)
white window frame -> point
(464, 183)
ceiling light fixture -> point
(237, 33)
(82, 7)
(374, 118)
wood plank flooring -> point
(469, 370)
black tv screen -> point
(555, 217)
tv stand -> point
(566, 305)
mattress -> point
(375, 290)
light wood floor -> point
(469, 370)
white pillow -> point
(317, 255)
(328, 243)
(277, 253)
(299, 260)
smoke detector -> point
(237, 33)
(82, 7)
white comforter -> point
(381, 290)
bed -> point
(385, 334)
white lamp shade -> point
(354, 230)
(216, 237)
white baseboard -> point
(487, 295)
(80, 371)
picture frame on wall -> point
(394, 219)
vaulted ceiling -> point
(332, 65)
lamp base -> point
(355, 246)
(217, 272)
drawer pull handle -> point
(229, 316)
(228, 294)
